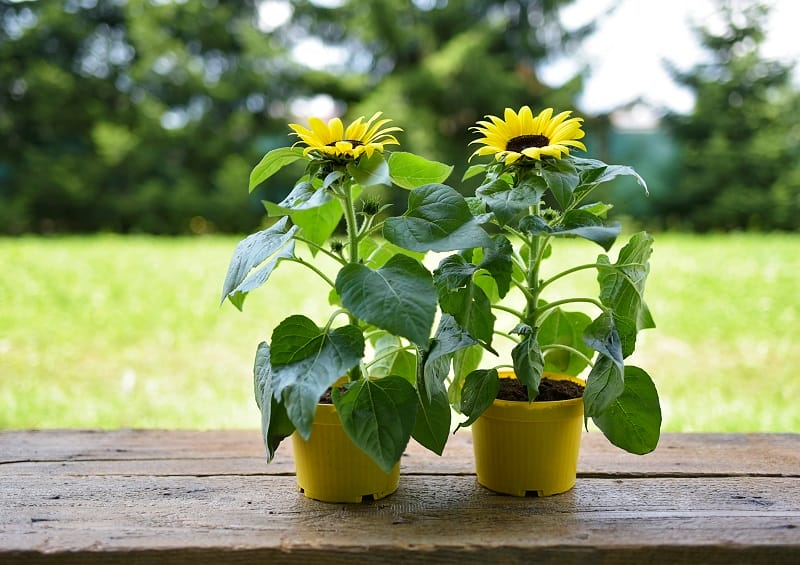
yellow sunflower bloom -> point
(523, 135)
(333, 140)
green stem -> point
(388, 354)
(516, 313)
(322, 275)
(506, 335)
(557, 303)
(321, 249)
(351, 222)
(567, 272)
(352, 237)
(572, 350)
(522, 288)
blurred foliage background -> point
(147, 115)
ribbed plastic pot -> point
(331, 468)
(529, 448)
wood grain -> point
(175, 496)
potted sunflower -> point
(526, 412)
(349, 389)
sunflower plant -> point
(534, 194)
(382, 298)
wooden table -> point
(210, 497)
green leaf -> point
(316, 359)
(453, 272)
(303, 196)
(318, 224)
(379, 417)
(275, 424)
(386, 347)
(465, 361)
(584, 224)
(409, 171)
(622, 289)
(561, 178)
(274, 243)
(479, 392)
(497, 261)
(576, 223)
(509, 203)
(593, 172)
(373, 171)
(602, 336)
(294, 339)
(432, 426)
(399, 297)
(633, 421)
(472, 310)
(604, 384)
(528, 364)
(438, 219)
(450, 338)
(473, 170)
(273, 162)
(375, 254)
(564, 328)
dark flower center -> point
(517, 144)
(353, 142)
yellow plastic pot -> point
(331, 468)
(524, 448)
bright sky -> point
(626, 53)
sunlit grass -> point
(110, 331)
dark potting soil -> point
(549, 390)
(326, 397)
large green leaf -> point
(564, 328)
(432, 427)
(314, 361)
(373, 171)
(472, 309)
(438, 219)
(633, 421)
(275, 424)
(497, 261)
(273, 162)
(479, 392)
(509, 203)
(318, 224)
(453, 272)
(528, 364)
(399, 297)
(561, 178)
(379, 416)
(604, 384)
(273, 244)
(410, 171)
(449, 339)
(622, 288)
(576, 223)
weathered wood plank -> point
(449, 519)
(241, 452)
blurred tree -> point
(739, 168)
(134, 115)
(147, 115)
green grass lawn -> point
(113, 331)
